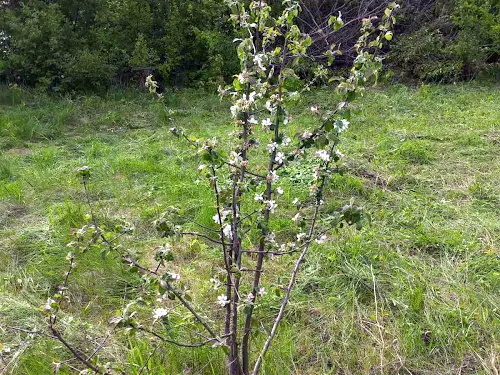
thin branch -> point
(179, 344)
(40, 333)
(246, 170)
(190, 308)
(202, 236)
(202, 226)
(226, 255)
(73, 351)
(98, 349)
(147, 360)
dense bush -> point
(74, 45)
(456, 40)
(40, 44)
(87, 71)
(424, 54)
(87, 45)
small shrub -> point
(88, 71)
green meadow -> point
(415, 292)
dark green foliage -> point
(41, 43)
(456, 40)
(198, 42)
(72, 45)
(425, 55)
(87, 71)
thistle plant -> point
(247, 184)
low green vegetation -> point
(415, 292)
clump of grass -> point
(416, 152)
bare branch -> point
(40, 333)
(73, 351)
(169, 341)
(202, 236)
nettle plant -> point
(248, 196)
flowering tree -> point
(247, 188)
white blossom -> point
(323, 155)
(314, 109)
(216, 282)
(250, 297)
(300, 236)
(271, 205)
(243, 77)
(222, 300)
(208, 144)
(174, 276)
(307, 135)
(252, 121)
(339, 154)
(220, 220)
(286, 141)
(266, 124)
(257, 59)
(244, 19)
(273, 176)
(150, 83)
(234, 158)
(321, 239)
(272, 146)
(48, 304)
(296, 201)
(227, 230)
(243, 104)
(262, 292)
(296, 217)
(279, 190)
(271, 238)
(271, 104)
(259, 197)
(159, 313)
(218, 343)
(316, 174)
(342, 125)
(279, 158)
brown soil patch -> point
(14, 211)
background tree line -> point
(73, 45)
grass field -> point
(417, 292)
